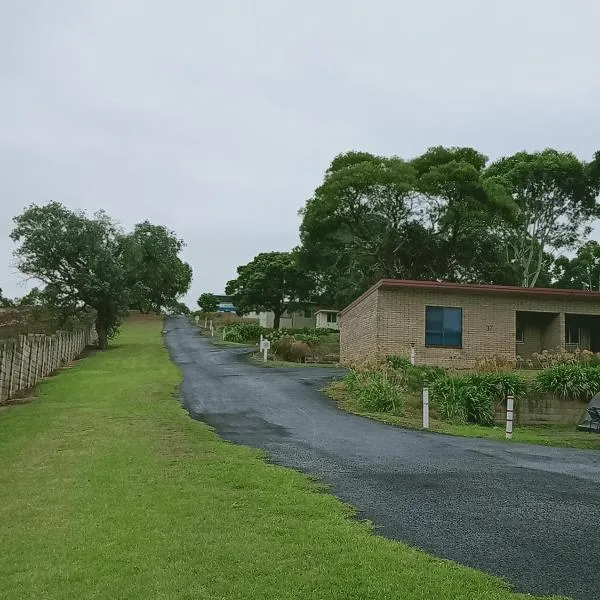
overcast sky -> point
(218, 118)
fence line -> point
(29, 358)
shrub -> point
(291, 350)
(569, 381)
(454, 395)
(415, 376)
(244, 332)
(501, 385)
(376, 391)
(472, 398)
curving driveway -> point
(528, 513)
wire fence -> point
(27, 359)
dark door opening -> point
(595, 339)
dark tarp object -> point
(587, 423)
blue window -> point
(443, 326)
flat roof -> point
(327, 310)
(536, 292)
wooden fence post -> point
(3, 374)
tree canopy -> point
(88, 262)
(555, 199)
(156, 275)
(446, 215)
(208, 302)
(272, 281)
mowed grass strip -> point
(109, 490)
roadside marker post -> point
(205, 322)
(510, 404)
(212, 329)
(425, 407)
(412, 354)
(265, 346)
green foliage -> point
(375, 217)
(554, 200)
(156, 275)
(245, 332)
(473, 398)
(272, 281)
(208, 302)
(79, 258)
(415, 376)
(569, 381)
(461, 400)
(379, 391)
(89, 263)
(5, 302)
(580, 272)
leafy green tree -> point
(375, 217)
(35, 297)
(177, 308)
(5, 302)
(554, 201)
(78, 258)
(272, 281)
(208, 302)
(156, 275)
(581, 272)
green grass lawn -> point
(412, 418)
(109, 491)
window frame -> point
(331, 317)
(429, 331)
(521, 339)
(568, 330)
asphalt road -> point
(528, 513)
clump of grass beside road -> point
(109, 490)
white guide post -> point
(510, 404)
(425, 407)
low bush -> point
(244, 332)
(473, 398)
(415, 376)
(569, 381)
(291, 349)
(377, 391)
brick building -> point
(456, 324)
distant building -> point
(327, 319)
(297, 319)
(456, 324)
(225, 304)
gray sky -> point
(219, 118)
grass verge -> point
(108, 490)
(546, 435)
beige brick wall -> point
(388, 320)
(488, 326)
(358, 330)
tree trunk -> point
(276, 319)
(102, 335)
